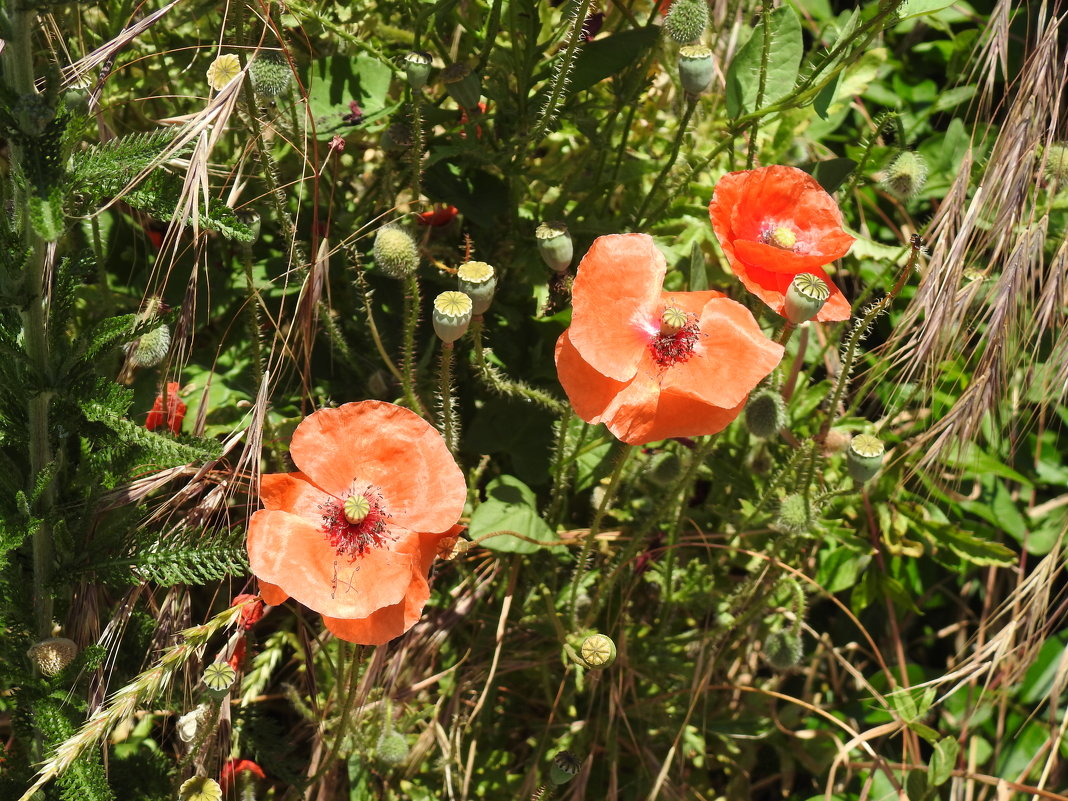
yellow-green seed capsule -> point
(51, 656)
(696, 68)
(452, 315)
(219, 677)
(805, 297)
(865, 457)
(672, 320)
(554, 245)
(478, 281)
(200, 788)
(598, 651)
(564, 768)
(356, 509)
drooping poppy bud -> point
(765, 413)
(392, 748)
(151, 348)
(805, 298)
(554, 245)
(906, 175)
(783, 649)
(452, 315)
(478, 281)
(793, 515)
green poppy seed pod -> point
(555, 246)
(765, 413)
(686, 20)
(252, 219)
(564, 768)
(395, 252)
(417, 68)
(805, 297)
(793, 515)
(783, 649)
(865, 457)
(598, 651)
(452, 315)
(200, 788)
(478, 281)
(219, 677)
(664, 468)
(462, 85)
(51, 656)
(392, 748)
(673, 320)
(695, 68)
(270, 74)
(906, 175)
(151, 348)
(1057, 162)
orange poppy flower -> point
(774, 223)
(652, 364)
(353, 532)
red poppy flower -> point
(353, 533)
(237, 658)
(234, 767)
(441, 214)
(652, 364)
(251, 612)
(774, 223)
(175, 411)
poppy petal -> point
(771, 288)
(295, 555)
(589, 392)
(293, 492)
(682, 416)
(386, 623)
(272, 594)
(389, 447)
(731, 357)
(614, 294)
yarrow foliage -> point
(353, 532)
(652, 364)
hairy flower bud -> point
(865, 457)
(906, 175)
(686, 20)
(793, 515)
(395, 252)
(664, 468)
(151, 348)
(392, 748)
(783, 649)
(270, 74)
(765, 413)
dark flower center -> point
(675, 341)
(356, 524)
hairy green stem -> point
(689, 480)
(448, 424)
(765, 52)
(676, 145)
(502, 385)
(411, 323)
(417, 145)
(559, 470)
(562, 75)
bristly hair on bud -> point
(151, 348)
(783, 649)
(395, 252)
(793, 515)
(686, 20)
(765, 413)
(906, 175)
(270, 74)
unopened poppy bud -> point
(395, 252)
(356, 509)
(452, 315)
(51, 656)
(477, 281)
(672, 320)
(200, 788)
(793, 515)
(219, 677)
(696, 68)
(598, 651)
(865, 457)
(462, 85)
(151, 348)
(664, 468)
(417, 68)
(1057, 163)
(555, 246)
(270, 74)
(906, 175)
(765, 413)
(392, 748)
(564, 768)
(805, 297)
(783, 649)
(686, 20)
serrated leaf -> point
(510, 507)
(784, 60)
(969, 546)
(943, 760)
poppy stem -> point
(411, 322)
(559, 468)
(765, 52)
(676, 145)
(366, 294)
(417, 143)
(786, 333)
(449, 425)
(595, 527)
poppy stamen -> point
(675, 341)
(781, 237)
(357, 524)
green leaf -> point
(969, 546)
(943, 760)
(905, 705)
(953, 97)
(832, 173)
(510, 507)
(698, 272)
(605, 57)
(784, 60)
(336, 81)
(917, 8)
